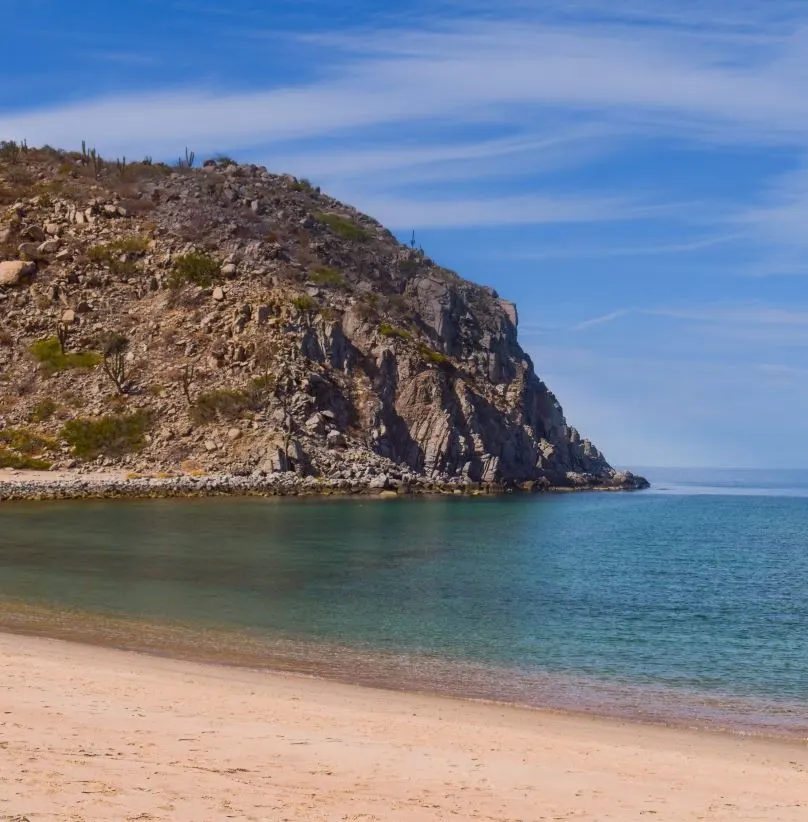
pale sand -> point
(95, 734)
(60, 476)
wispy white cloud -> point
(401, 212)
(433, 161)
(601, 252)
(637, 77)
(739, 315)
(602, 320)
(773, 325)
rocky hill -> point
(228, 319)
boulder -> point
(15, 272)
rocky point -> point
(231, 321)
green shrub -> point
(327, 277)
(48, 352)
(259, 391)
(344, 227)
(304, 185)
(125, 245)
(408, 267)
(435, 357)
(111, 436)
(305, 303)
(8, 459)
(43, 410)
(111, 254)
(199, 269)
(387, 330)
(25, 441)
(224, 403)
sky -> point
(636, 180)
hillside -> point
(227, 319)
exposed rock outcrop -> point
(267, 328)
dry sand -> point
(62, 475)
(96, 734)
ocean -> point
(685, 604)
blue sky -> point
(637, 181)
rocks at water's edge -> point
(279, 484)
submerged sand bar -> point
(96, 734)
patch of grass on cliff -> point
(305, 303)
(387, 330)
(222, 404)
(199, 269)
(328, 277)
(343, 227)
(8, 459)
(49, 354)
(434, 357)
(111, 436)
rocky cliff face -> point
(260, 326)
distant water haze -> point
(685, 603)
(745, 481)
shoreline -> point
(407, 673)
(103, 734)
(20, 485)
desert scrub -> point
(43, 410)
(113, 436)
(199, 269)
(344, 227)
(409, 266)
(8, 459)
(327, 277)
(26, 442)
(116, 256)
(305, 185)
(224, 404)
(49, 354)
(125, 245)
(305, 303)
(387, 330)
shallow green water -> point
(683, 599)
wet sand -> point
(90, 733)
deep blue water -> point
(692, 598)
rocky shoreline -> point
(78, 486)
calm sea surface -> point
(687, 603)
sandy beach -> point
(95, 734)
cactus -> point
(188, 161)
(97, 162)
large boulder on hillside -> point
(15, 272)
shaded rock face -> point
(269, 327)
(487, 419)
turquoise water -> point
(688, 603)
